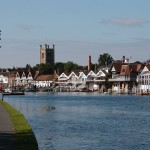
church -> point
(47, 56)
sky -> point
(77, 28)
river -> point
(86, 121)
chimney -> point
(89, 64)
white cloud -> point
(126, 22)
(25, 27)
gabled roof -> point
(102, 73)
(91, 73)
(23, 75)
(81, 74)
(1, 76)
(37, 73)
(63, 76)
(140, 67)
(116, 66)
(72, 74)
(18, 75)
(125, 70)
(137, 66)
(148, 67)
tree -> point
(105, 59)
(28, 67)
(59, 66)
(70, 66)
(107, 84)
(148, 61)
(43, 68)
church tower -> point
(47, 55)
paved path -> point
(6, 130)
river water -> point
(86, 121)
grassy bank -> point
(24, 137)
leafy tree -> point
(59, 66)
(105, 59)
(43, 68)
(27, 67)
(107, 84)
(70, 66)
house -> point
(72, 78)
(30, 77)
(62, 79)
(124, 77)
(115, 69)
(143, 80)
(81, 79)
(11, 78)
(43, 81)
(22, 77)
(3, 80)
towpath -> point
(6, 130)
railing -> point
(123, 79)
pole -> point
(0, 37)
(2, 89)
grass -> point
(24, 138)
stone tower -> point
(47, 55)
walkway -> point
(6, 130)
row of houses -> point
(25, 78)
(119, 77)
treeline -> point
(104, 59)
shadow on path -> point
(25, 141)
(6, 141)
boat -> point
(47, 89)
(13, 93)
(30, 89)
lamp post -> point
(1, 79)
(2, 88)
(0, 37)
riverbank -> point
(23, 137)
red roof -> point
(117, 66)
(148, 67)
(125, 70)
(43, 78)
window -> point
(123, 70)
(42, 55)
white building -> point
(144, 80)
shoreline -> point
(24, 137)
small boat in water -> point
(13, 93)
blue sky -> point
(78, 28)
